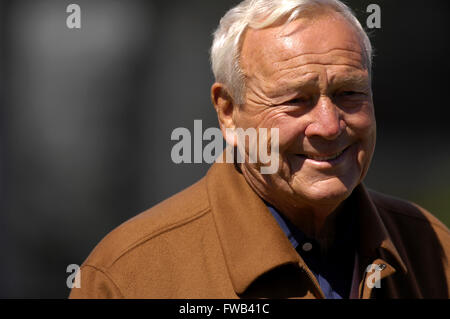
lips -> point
(323, 157)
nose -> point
(325, 120)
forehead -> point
(328, 39)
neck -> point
(315, 222)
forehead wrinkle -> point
(320, 59)
(333, 57)
(356, 54)
(294, 70)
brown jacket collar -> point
(254, 244)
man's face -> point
(310, 80)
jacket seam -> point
(158, 232)
(104, 272)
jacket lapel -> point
(375, 244)
(251, 239)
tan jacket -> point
(217, 239)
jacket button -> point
(307, 246)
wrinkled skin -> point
(310, 79)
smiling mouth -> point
(323, 158)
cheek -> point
(290, 132)
(363, 127)
(362, 124)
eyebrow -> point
(350, 79)
(291, 89)
(308, 79)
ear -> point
(225, 108)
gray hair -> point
(225, 50)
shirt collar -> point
(295, 239)
(253, 242)
(344, 237)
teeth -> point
(326, 158)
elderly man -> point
(308, 230)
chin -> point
(330, 191)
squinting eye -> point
(297, 100)
(349, 93)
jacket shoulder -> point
(402, 209)
(180, 209)
(423, 243)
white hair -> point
(225, 50)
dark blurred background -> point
(86, 118)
